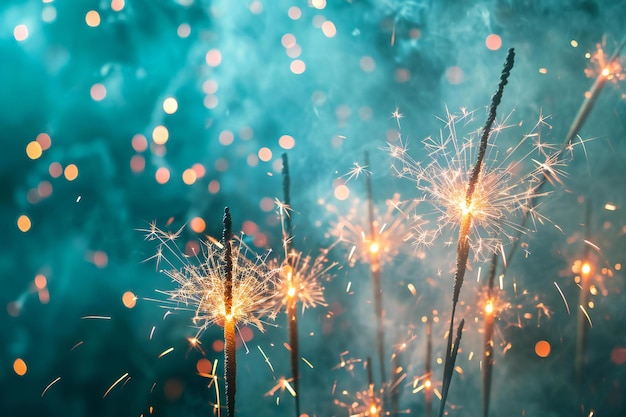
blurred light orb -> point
(92, 18)
(98, 92)
(342, 192)
(170, 105)
(23, 223)
(493, 42)
(19, 367)
(542, 349)
(34, 150)
(20, 32)
(129, 299)
(160, 135)
(286, 142)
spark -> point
(96, 317)
(114, 384)
(300, 277)
(266, 359)
(586, 315)
(593, 245)
(563, 297)
(281, 385)
(390, 232)
(397, 115)
(307, 362)
(76, 345)
(504, 190)
(57, 379)
(165, 352)
(356, 171)
(601, 64)
(201, 281)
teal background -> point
(334, 111)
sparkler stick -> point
(463, 244)
(585, 273)
(488, 337)
(428, 384)
(292, 300)
(590, 101)
(374, 247)
(576, 125)
(230, 342)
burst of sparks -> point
(364, 404)
(281, 385)
(504, 189)
(600, 64)
(391, 232)
(356, 171)
(201, 280)
(300, 277)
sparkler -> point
(291, 302)
(230, 341)
(585, 276)
(609, 70)
(463, 246)
(299, 279)
(503, 188)
(366, 404)
(374, 248)
(225, 287)
(390, 231)
(489, 315)
(428, 386)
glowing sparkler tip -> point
(374, 247)
(489, 307)
(291, 292)
(586, 268)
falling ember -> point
(57, 379)
(96, 317)
(165, 352)
(120, 379)
(586, 315)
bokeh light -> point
(24, 223)
(542, 349)
(19, 367)
(92, 18)
(20, 32)
(129, 299)
(493, 42)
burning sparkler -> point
(225, 287)
(375, 271)
(463, 246)
(610, 69)
(387, 240)
(299, 280)
(489, 316)
(585, 281)
(503, 189)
